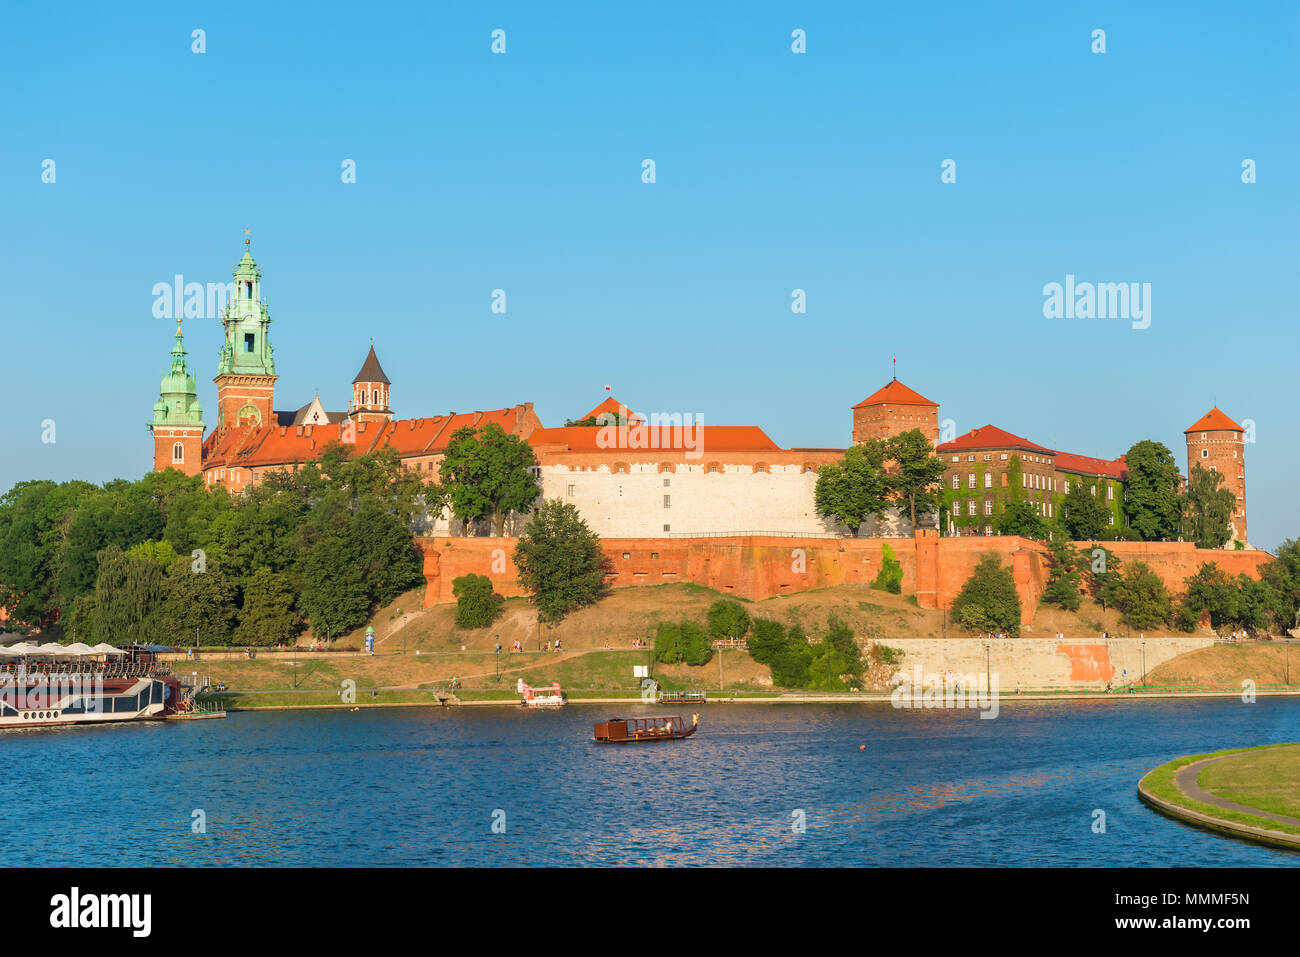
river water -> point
(415, 786)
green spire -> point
(247, 349)
(178, 402)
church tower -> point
(1217, 443)
(370, 392)
(246, 369)
(177, 424)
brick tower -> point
(370, 392)
(246, 371)
(892, 410)
(177, 424)
(1215, 442)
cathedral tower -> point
(246, 370)
(1215, 442)
(177, 424)
(370, 392)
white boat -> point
(530, 697)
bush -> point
(890, 576)
(668, 643)
(477, 605)
(695, 646)
(728, 619)
(988, 601)
(766, 641)
(1143, 600)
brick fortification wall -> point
(934, 568)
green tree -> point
(890, 576)
(129, 594)
(488, 474)
(268, 616)
(1064, 574)
(856, 488)
(989, 601)
(1283, 577)
(477, 605)
(560, 562)
(728, 620)
(916, 474)
(1207, 509)
(695, 646)
(1084, 512)
(1101, 575)
(1143, 600)
(766, 640)
(1151, 505)
(668, 643)
(198, 605)
(1022, 518)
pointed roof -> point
(1212, 421)
(371, 370)
(991, 437)
(897, 393)
(613, 406)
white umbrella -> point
(103, 648)
(80, 648)
(23, 648)
(53, 649)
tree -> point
(1142, 598)
(695, 646)
(1084, 512)
(856, 488)
(477, 605)
(1021, 518)
(268, 616)
(989, 601)
(728, 620)
(487, 474)
(890, 576)
(1283, 577)
(1102, 577)
(129, 593)
(1151, 504)
(1063, 575)
(199, 607)
(766, 641)
(668, 640)
(560, 562)
(917, 472)
(1207, 509)
(1210, 590)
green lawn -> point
(1160, 782)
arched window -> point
(178, 452)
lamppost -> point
(988, 671)
(1144, 665)
(498, 659)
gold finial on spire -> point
(248, 233)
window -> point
(956, 481)
(667, 528)
(1094, 490)
(1110, 493)
(988, 529)
(666, 482)
(1205, 453)
(1067, 486)
(970, 458)
(956, 458)
(988, 457)
(654, 555)
(248, 342)
(571, 488)
(248, 290)
(1112, 520)
(668, 501)
(1004, 479)
(627, 554)
(178, 452)
(970, 480)
(988, 506)
(988, 479)
(1003, 456)
(1202, 436)
(970, 507)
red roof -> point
(258, 447)
(613, 405)
(1086, 465)
(991, 437)
(708, 438)
(1213, 420)
(896, 393)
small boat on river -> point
(632, 730)
(530, 697)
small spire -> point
(248, 237)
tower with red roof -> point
(892, 410)
(1217, 443)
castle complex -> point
(655, 477)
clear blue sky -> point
(775, 171)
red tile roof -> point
(896, 393)
(709, 438)
(259, 447)
(1213, 420)
(1086, 465)
(991, 437)
(613, 405)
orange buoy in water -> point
(862, 747)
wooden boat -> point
(631, 730)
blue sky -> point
(775, 171)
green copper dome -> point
(178, 402)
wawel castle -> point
(647, 479)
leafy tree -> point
(129, 594)
(989, 601)
(792, 663)
(477, 605)
(766, 641)
(916, 474)
(1084, 512)
(890, 576)
(1101, 575)
(1064, 575)
(728, 620)
(560, 562)
(268, 616)
(199, 606)
(1207, 509)
(668, 643)
(1022, 518)
(161, 553)
(487, 474)
(1151, 504)
(1211, 590)
(840, 637)
(1283, 577)
(1142, 598)
(856, 488)
(695, 646)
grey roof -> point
(371, 371)
(299, 417)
